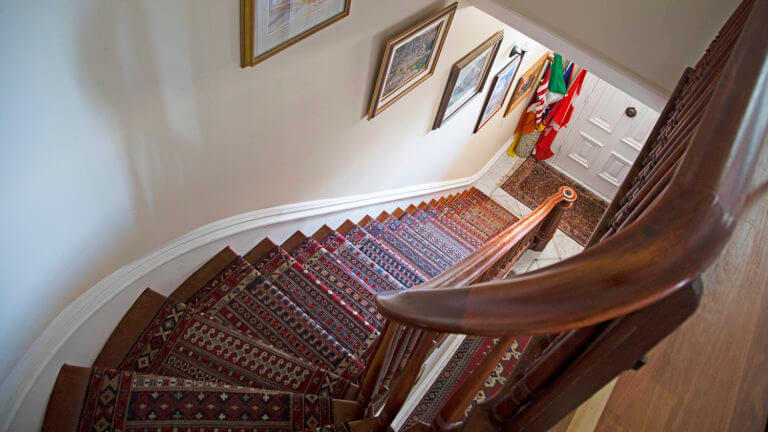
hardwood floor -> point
(712, 373)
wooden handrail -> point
(665, 248)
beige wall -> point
(125, 124)
(654, 40)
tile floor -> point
(561, 246)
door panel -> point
(615, 169)
(602, 141)
(585, 150)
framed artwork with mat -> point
(410, 58)
(526, 83)
(270, 26)
(498, 92)
(467, 78)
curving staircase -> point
(277, 340)
(330, 332)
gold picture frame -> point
(279, 35)
(409, 59)
(499, 90)
(526, 84)
(467, 79)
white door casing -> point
(602, 141)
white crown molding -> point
(27, 371)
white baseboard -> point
(77, 334)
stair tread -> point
(429, 233)
(385, 257)
(123, 400)
(407, 252)
(130, 328)
(363, 266)
(466, 358)
(318, 301)
(202, 275)
(260, 310)
(335, 275)
(185, 343)
(473, 221)
(421, 245)
(457, 225)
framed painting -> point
(269, 26)
(467, 78)
(526, 83)
(410, 58)
(498, 92)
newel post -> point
(549, 225)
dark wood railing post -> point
(549, 225)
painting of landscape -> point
(410, 58)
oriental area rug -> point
(535, 180)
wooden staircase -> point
(328, 332)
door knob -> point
(630, 111)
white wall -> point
(653, 40)
(125, 124)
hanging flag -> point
(567, 74)
(556, 89)
(576, 70)
(541, 103)
(558, 118)
(526, 125)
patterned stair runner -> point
(391, 262)
(274, 341)
(431, 234)
(335, 275)
(408, 251)
(345, 324)
(360, 264)
(185, 344)
(115, 400)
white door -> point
(604, 136)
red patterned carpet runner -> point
(186, 344)
(431, 234)
(261, 311)
(419, 259)
(345, 324)
(382, 255)
(360, 264)
(335, 275)
(457, 226)
(265, 346)
(129, 401)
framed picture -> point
(467, 78)
(269, 26)
(526, 83)
(498, 92)
(410, 58)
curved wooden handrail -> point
(666, 247)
